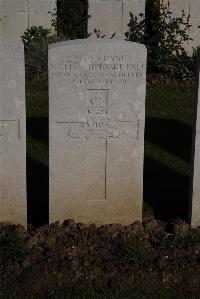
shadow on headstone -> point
(166, 189)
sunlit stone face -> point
(12, 133)
(97, 113)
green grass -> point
(169, 118)
(167, 101)
(36, 100)
(173, 103)
(37, 111)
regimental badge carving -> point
(99, 123)
(97, 105)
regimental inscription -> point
(97, 70)
(9, 129)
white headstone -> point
(195, 217)
(112, 16)
(18, 15)
(12, 133)
(97, 114)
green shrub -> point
(164, 37)
(35, 34)
(12, 246)
(70, 18)
(36, 40)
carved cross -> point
(27, 12)
(99, 124)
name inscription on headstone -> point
(98, 70)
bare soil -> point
(140, 256)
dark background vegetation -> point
(70, 19)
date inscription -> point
(97, 70)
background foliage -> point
(70, 18)
(36, 41)
(165, 37)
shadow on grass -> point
(38, 128)
(37, 193)
(37, 173)
(167, 190)
(171, 135)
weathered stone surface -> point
(12, 133)
(112, 16)
(18, 15)
(97, 115)
(195, 219)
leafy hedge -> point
(165, 37)
(70, 18)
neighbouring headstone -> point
(18, 15)
(195, 204)
(97, 116)
(191, 8)
(12, 133)
(112, 16)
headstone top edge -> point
(96, 41)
